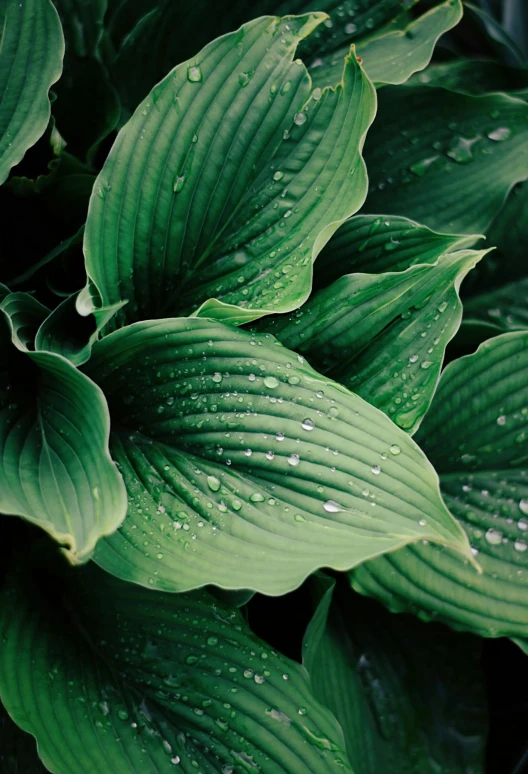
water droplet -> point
(422, 522)
(350, 28)
(500, 134)
(293, 459)
(493, 536)
(426, 364)
(299, 118)
(179, 182)
(270, 455)
(394, 449)
(376, 470)
(213, 483)
(280, 436)
(523, 525)
(501, 420)
(420, 168)
(271, 382)
(461, 149)
(442, 307)
(278, 175)
(331, 506)
(520, 545)
(217, 378)
(413, 358)
(307, 424)
(523, 505)
(194, 73)
(244, 79)
(257, 498)
(212, 641)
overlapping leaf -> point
(409, 697)
(109, 677)
(56, 470)
(451, 174)
(246, 469)
(476, 435)
(383, 335)
(229, 179)
(32, 47)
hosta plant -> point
(263, 386)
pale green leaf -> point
(505, 307)
(112, 678)
(31, 51)
(476, 435)
(245, 468)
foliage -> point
(264, 344)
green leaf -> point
(505, 307)
(54, 428)
(508, 233)
(214, 187)
(393, 55)
(476, 76)
(383, 335)
(245, 468)
(155, 39)
(476, 436)
(409, 697)
(431, 151)
(17, 754)
(114, 678)
(376, 243)
(31, 48)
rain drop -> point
(194, 74)
(293, 460)
(493, 536)
(307, 424)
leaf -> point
(155, 39)
(508, 232)
(409, 697)
(377, 243)
(476, 76)
(465, 149)
(16, 755)
(31, 47)
(475, 435)
(246, 469)
(54, 427)
(383, 335)
(393, 55)
(113, 677)
(504, 307)
(214, 187)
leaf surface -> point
(383, 335)
(31, 51)
(409, 697)
(470, 158)
(110, 677)
(476, 436)
(229, 179)
(245, 468)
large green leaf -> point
(154, 39)
(476, 435)
(31, 51)
(445, 159)
(112, 678)
(215, 187)
(54, 427)
(245, 468)
(409, 697)
(393, 53)
(383, 335)
(377, 243)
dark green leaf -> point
(110, 677)
(31, 48)
(476, 435)
(410, 697)
(445, 159)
